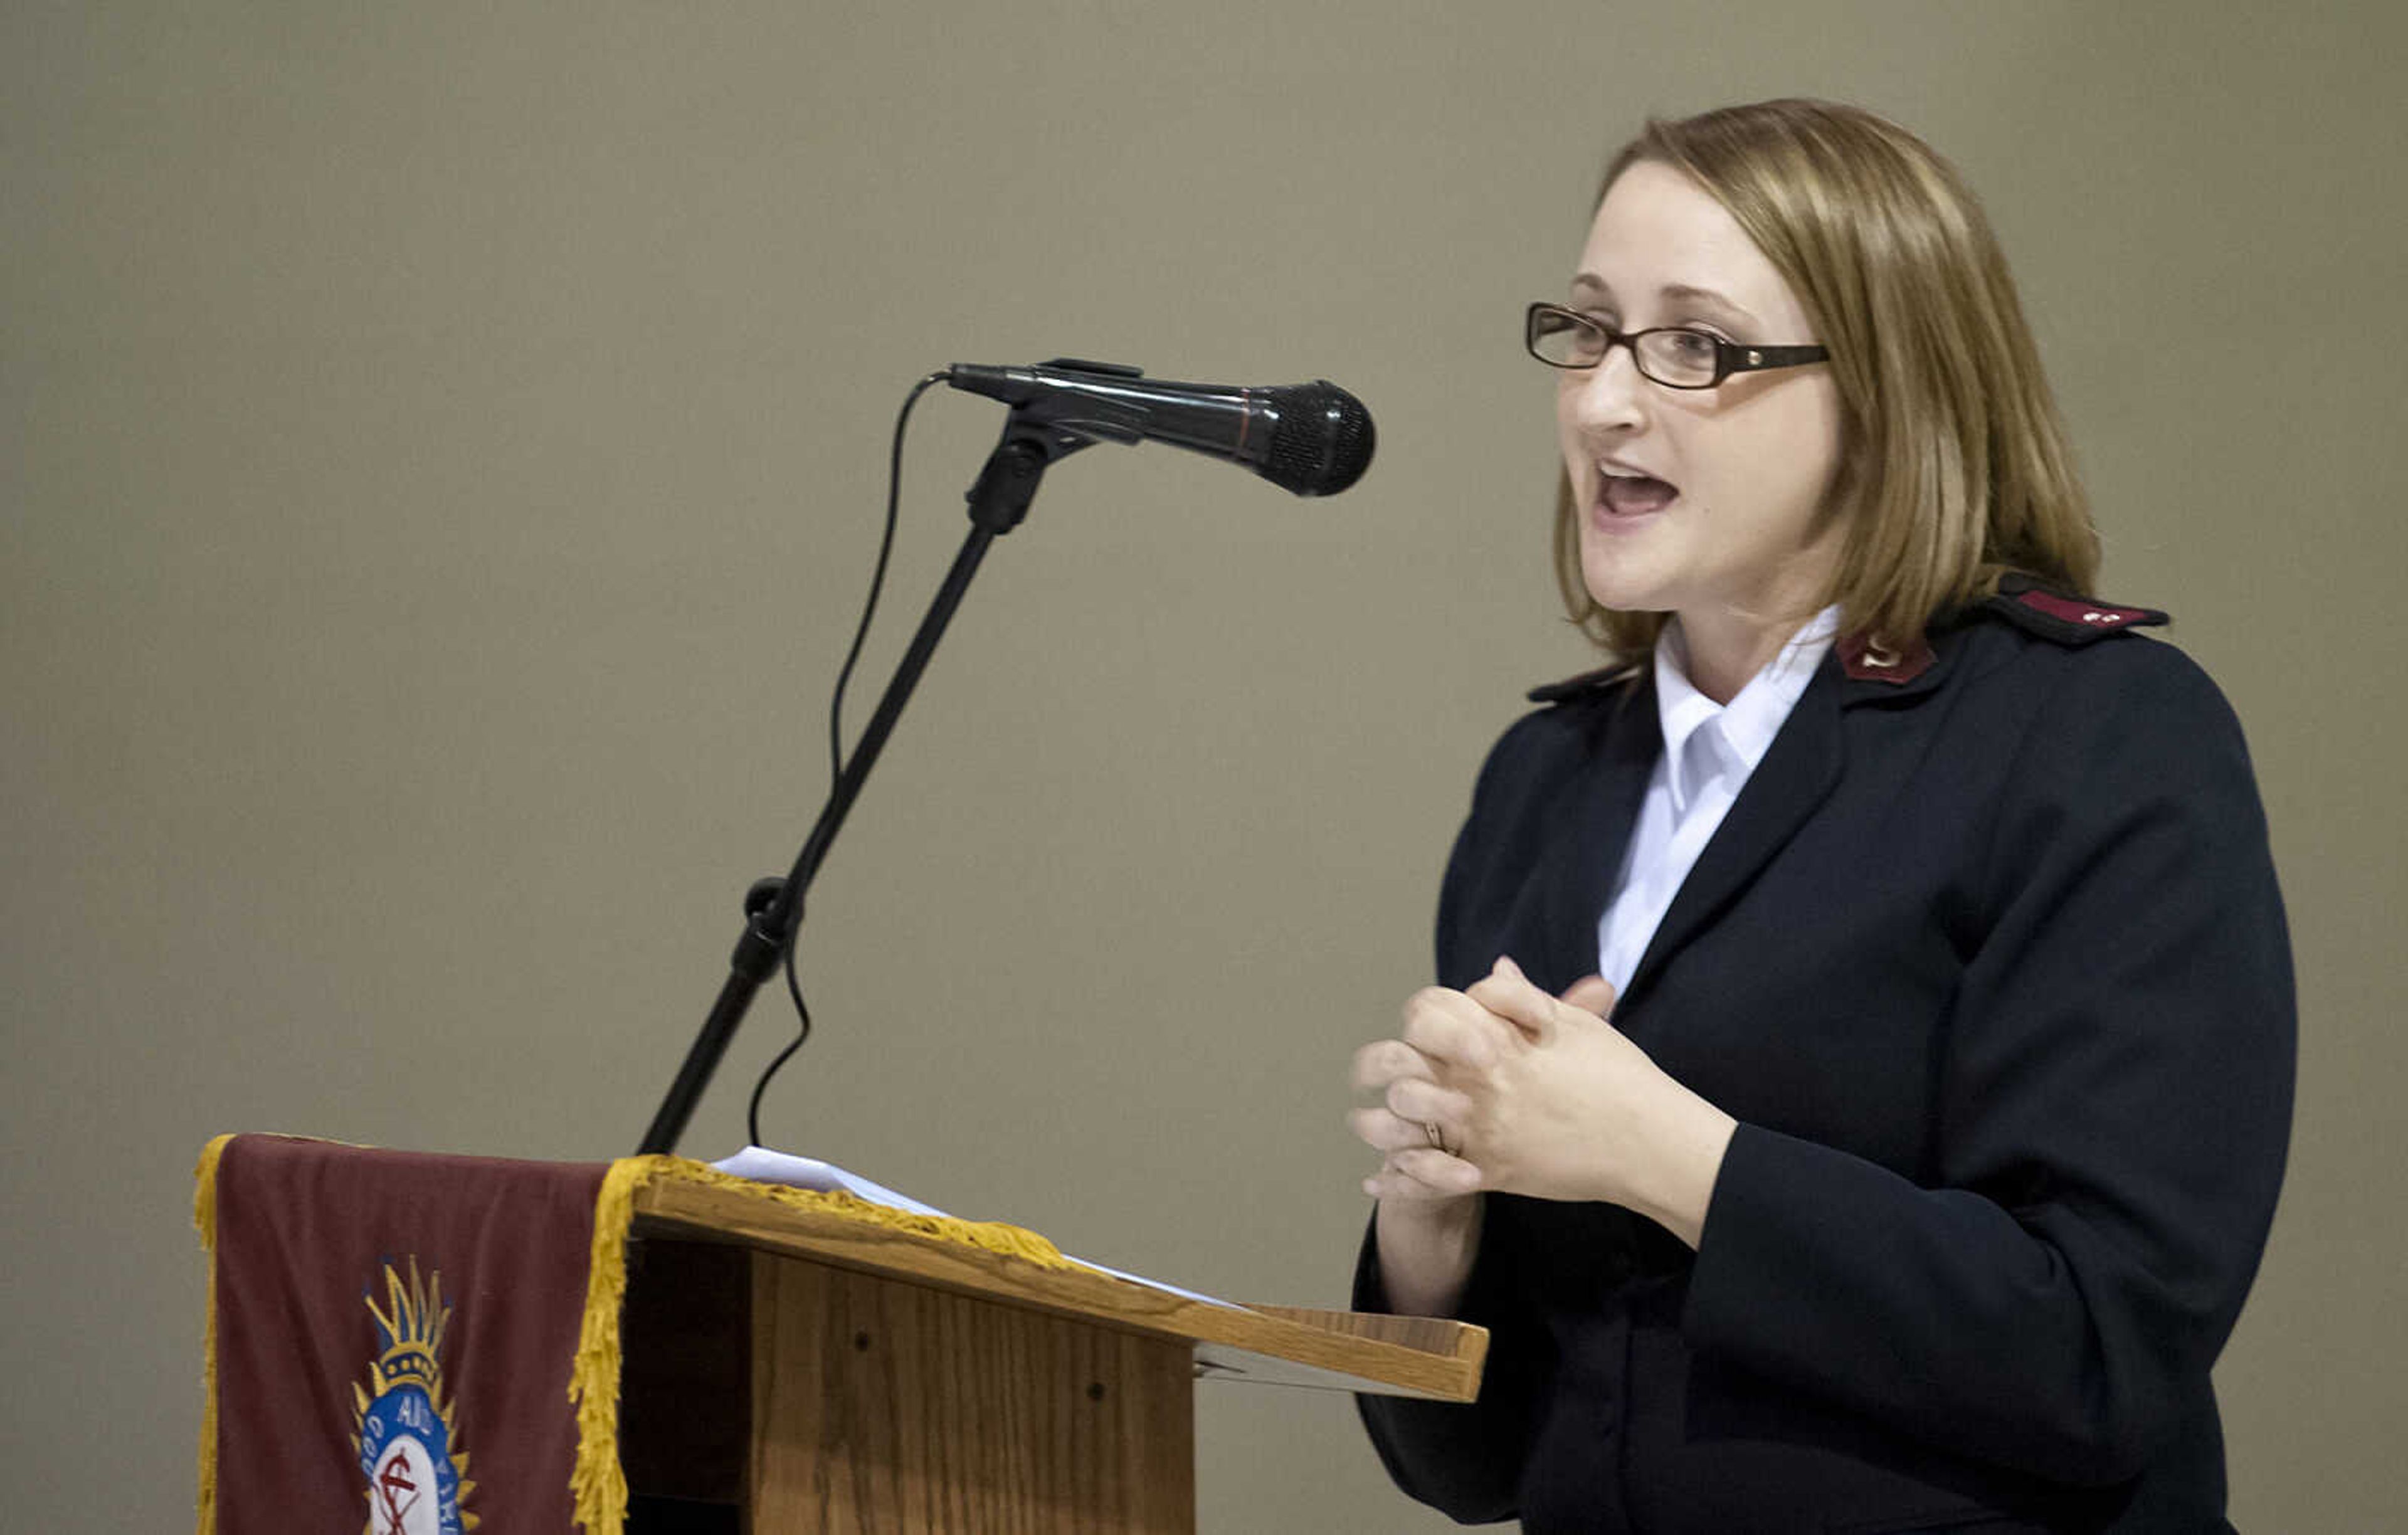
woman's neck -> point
(1724, 650)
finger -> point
(1450, 1028)
(1385, 1130)
(1592, 994)
(1423, 1174)
(1384, 1061)
(1426, 1103)
(1514, 997)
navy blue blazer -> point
(1989, 961)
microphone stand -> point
(773, 907)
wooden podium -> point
(787, 1369)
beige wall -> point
(441, 461)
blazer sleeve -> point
(1464, 1459)
(2112, 1109)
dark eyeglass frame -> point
(1729, 356)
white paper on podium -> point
(764, 1166)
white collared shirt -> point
(1710, 749)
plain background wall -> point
(443, 447)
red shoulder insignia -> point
(1866, 660)
(2067, 620)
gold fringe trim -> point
(204, 1220)
(598, 1483)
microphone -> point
(1313, 439)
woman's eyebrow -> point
(1674, 293)
(1683, 293)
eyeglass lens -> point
(1680, 357)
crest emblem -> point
(402, 1428)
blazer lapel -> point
(1798, 773)
(1589, 854)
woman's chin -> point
(1616, 586)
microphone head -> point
(1322, 441)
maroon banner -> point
(394, 1334)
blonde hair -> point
(1954, 464)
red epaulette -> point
(2067, 620)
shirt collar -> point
(1740, 731)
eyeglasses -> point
(1672, 355)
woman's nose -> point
(1610, 394)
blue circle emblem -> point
(405, 1453)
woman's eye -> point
(1692, 346)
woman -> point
(1921, 1169)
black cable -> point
(836, 736)
(877, 581)
(802, 1011)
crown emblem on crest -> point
(402, 1399)
(411, 1331)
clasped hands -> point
(1504, 1088)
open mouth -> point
(1628, 494)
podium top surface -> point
(1349, 1350)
